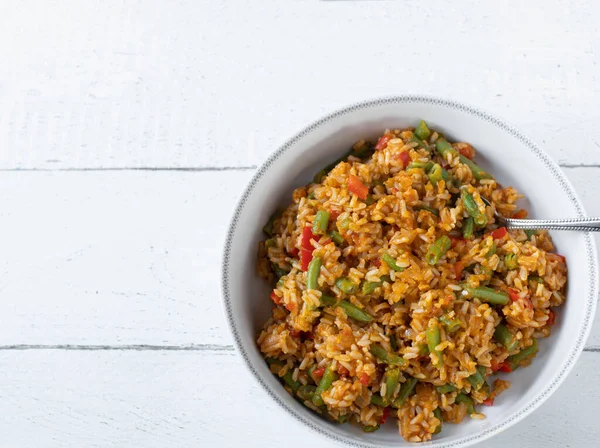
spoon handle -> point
(578, 224)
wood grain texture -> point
(157, 399)
(120, 258)
(203, 84)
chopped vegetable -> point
(268, 227)
(478, 378)
(344, 224)
(391, 262)
(329, 376)
(346, 285)
(530, 233)
(432, 335)
(275, 298)
(367, 428)
(551, 317)
(446, 388)
(382, 142)
(438, 414)
(369, 287)
(389, 358)
(404, 156)
(436, 212)
(462, 398)
(505, 337)
(364, 379)
(328, 300)
(356, 187)
(320, 223)
(406, 390)
(306, 392)
(524, 355)
(521, 214)
(499, 233)
(385, 414)
(307, 247)
(422, 165)
(488, 295)
(511, 261)
(312, 276)
(355, 312)
(443, 148)
(513, 294)
(438, 250)
(378, 400)
(478, 172)
(391, 378)
(472, 209)
(435, 174)
(422, 132)
(451, 324)
(336, 237)
(468, 225)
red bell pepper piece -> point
(318, 373)
(307, 247)
(521, 214)
(385, 415)
(275, 298)
(382, 142)
(356, 187)
(501, 367)
(364, 379)
(499, 233)
(513, 294)
(458, 268)
(488, 402)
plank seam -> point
(132, 347)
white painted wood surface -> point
(119, 119)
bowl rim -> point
(559, 176)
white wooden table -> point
(129, 128)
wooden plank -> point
(107, 258)
(139, 84)
(156, 399)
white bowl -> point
(505, 152)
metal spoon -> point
(578, 224)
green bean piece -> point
(535, 278)
(406, 390)
(446, 388)
(287, 379)
(270, 242)
(488, 295)
(511, 261)
(472, 209)
(363, 152)
(432, 335)
(355, 312)
(321, 222)
(389, 358)
(370, 287)
(468, 226)
(306, 392)
(422, 131)
(344, 224)
(446, 176)
(336, 237)
(279, 271)
(505, 337)
(343, 418)
(443, 148)
(438, 250)
(311, 195)
(370, 200)
(393, 342)
(492, 250)
(312, 275)
(346, 285)
(329, 376)
(319, 176)
(463, 398)
(530, 233)
(378, 400)
(367, 428)
(391, 262)
(420, 143)
(268, 227)
(435, 174)
(438, 414)
(392, 378)
(452, 324)
(328, 300)
(478, 172)
(528, 352)
(422, 165)
(478, 378)
(423, 349)
(435, 211)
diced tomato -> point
(356, 187)
(521, 214)
(377, 263)
(488, 402)
(307, 248)
(382, 142)
(456, 240)
(499, 233)
(343, 371)
(551, 317)
(294, 252)
(501, 367)
(364, 379)
(385, 415)
(467, 151)
(275, 298)
(318, 373)
(333, 214)
(305, 259)
(291, 307)
(458, 268)
(404, 157)
(513, 294)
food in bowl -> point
(396, 294)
